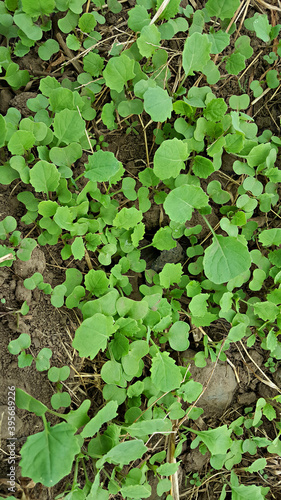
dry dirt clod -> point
(5, 98)
(168, 256)
(247, 398)
(198, 219)
(195, 461)
(221, 388)
(36, 263)
(22, 294)
(19, 102)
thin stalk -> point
(75, 475)
(209, 226)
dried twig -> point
(69, 53)
(268, 5)
(9, 256)
(159, 11)
(266, 379)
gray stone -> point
(195, 461)
(277, 376)
(22, 293)
(247, 398)
(168, 256)
(221, 388)
(36, 263)
(20, 100)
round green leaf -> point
(225, 259)
(102, 166)
(40, 7)
(113, 393)
(22, 342)
(202, 167)
(196, 53)
(132, 107)
(93, 64)
(106, 253)
(26, 247)
(158, 104)
(163, 239)
(148, 41)
(223, 9)
(74, 298)
(96, 282)
(68, 22)
(44, 177)
(47, 49)
(181, 201)
(7, 225)
(272, 79)
(55, 449)
(20, 142)
(169, 158)
(118, 71)
(66, 156)
(93, 334)
(178, 336)
(219, 40)
(57, 297)
(138, 18)
(235, 63)
(165, 374)
(216, 192)
(112, 374)
(25, 23)
(127, 218)
(42, 360)
(72, 42)
(68, 126)
(239, 101)
(87, 22)
(60, 399)
(170, 274)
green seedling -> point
(19, 346)
(58, 375)
(131, 127)
(23, 342)
(195, 479)
(42, 359)
(233, 272)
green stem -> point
(79, 177)
(155, 345)
(114, 193)
(45, 422)
(148, 336)
(75, 475)
(182, 82)
(209, 226)
(146, 246)
(88, 482)
(61, 415)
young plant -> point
(232, 273)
